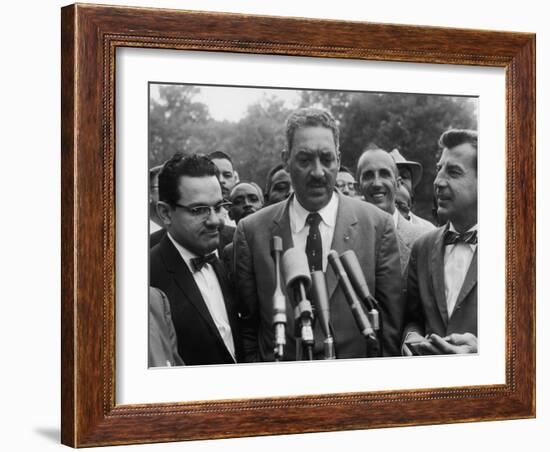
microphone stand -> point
(298, 281)
(279, 301)
(320, 298)
(303, 315)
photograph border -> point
(90, 36)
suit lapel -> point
(437, 271)
(469, 282)
(343, 239)
(281, 225)
(187, 285)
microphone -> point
(357, 278)
(320, 298)
(298, 282)
(351, 297)
(278, 300)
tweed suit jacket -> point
(360, 227)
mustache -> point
(317, 181)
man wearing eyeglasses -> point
(185, 265)
(345, 182)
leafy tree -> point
(173, 121)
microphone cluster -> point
(299, 282)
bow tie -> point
(452, 238)
(198, 262)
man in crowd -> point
(411, 174)
(278, 186)
(379, 181)
(442, 280)
(315, 220)
(246, 198)
(228, 229)
(345, 182)
(228, 177)
(184, 265)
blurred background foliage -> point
(411, 123)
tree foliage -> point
(411, 123)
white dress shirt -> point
(457, 260)
(395, 216)
(300, 229)
(153, 227)
(211, 292)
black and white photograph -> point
(293, 225)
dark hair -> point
(195, 165)
(254, 184)
(270, 175)
(220, 155)
(455, 137)
(310, 117)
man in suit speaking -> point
(315, 220)
(442, 279)
(185, 266)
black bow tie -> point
(452, 238)
(198, 262)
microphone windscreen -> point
(355, 273)
(296, 268)
(276, 244)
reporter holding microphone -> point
(315, 220)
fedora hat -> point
(414, 167)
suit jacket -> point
(199, 341)
(421, 222)
(360, 227)
(426, 311)
(163, 344)
(407, 233)
(226, 236)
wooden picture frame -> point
(90, 36)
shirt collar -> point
(298, 215)
(395, 216)
(185, 254)
(452, 228)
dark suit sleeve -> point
(414, 318)
(389, 289)
(248, 296)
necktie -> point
(452, 238)
(198, 262)
(314, 244)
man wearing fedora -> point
(379, 183)
(410, 173)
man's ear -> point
(164, 212)
(237, 180)
(285, 157)
(230, 214)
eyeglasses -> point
(204, 211)
(349, 185)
